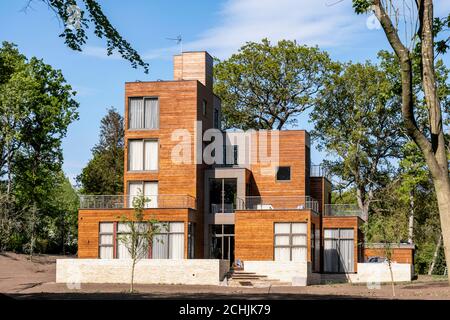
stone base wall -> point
(379, 273)
(147, 271)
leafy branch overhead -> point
(75, 37)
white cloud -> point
(311, 22)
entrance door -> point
(222, 242)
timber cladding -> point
(180, 106)
(292, 153)
(88, 225)
(254, 231)
(399, 255)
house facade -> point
(255, 198)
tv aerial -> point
(178, 40)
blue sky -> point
(219, 27)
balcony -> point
(278, 203)
(222, 208)
(319, 171)
(343, 210)
(171, 201)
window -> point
(142, 155)
(235, 154)
(169, 243)
(147, 188)
(143, 113)
(290, 241)
(204, 106)
(338, 250)
(122, 234)
(284, 173)
(106, 240)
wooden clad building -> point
(260, 199)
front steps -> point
(240, 278)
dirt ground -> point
(22, 279)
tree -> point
(104, 172)
(139, 233)
(61, 219)
(265, 86)
(38, 101)
(430, 139)
(76, 25)
(356, 120)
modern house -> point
(260, 201)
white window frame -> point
(144, 113)
(143, 141)
(291, 235)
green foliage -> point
(104, 172)
(357, 120)
(361, 6)
(265, 86)
(37, 106)
(75, 37)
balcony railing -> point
(172, 201)
(279, 203)
(222, 208)
(344, 210)
(319, 171)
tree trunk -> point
(411, 218)
(132, 276)
(433, 149)
(363, 204)
(443, 198)
(392, 277)
(435, 255)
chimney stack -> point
(196, 65)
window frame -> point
(167, 231)
(129, 113)
(283, 180)
(143, 154)
(290, 235)
(100, 234)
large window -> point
(338, 250)
(142, 155)
(290, 241)
(123, 234)
(147, 188)
(106, 240)
(168, 244)
(143, 113)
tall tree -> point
(104, 172)
(265, 86)
(39, 105)
(430, 139)
(76, 21)
(356, 120)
